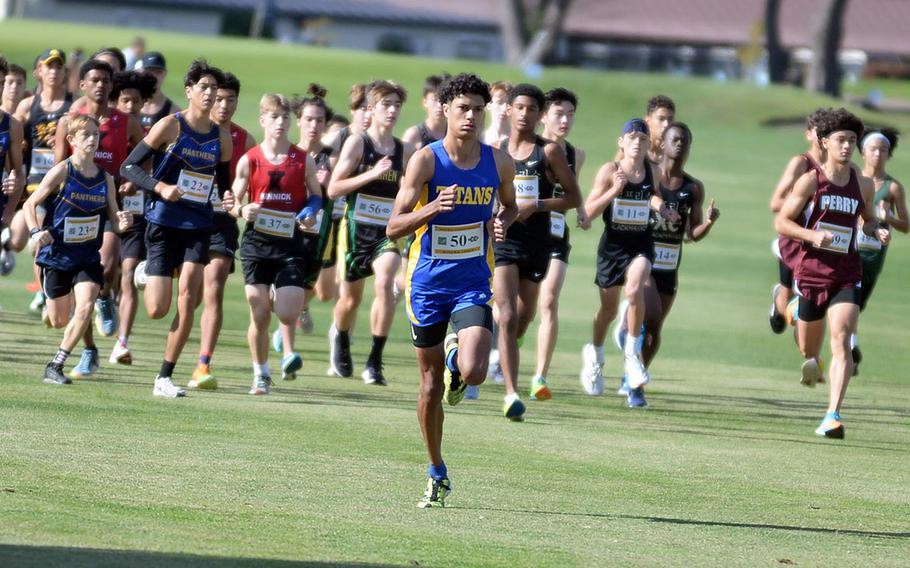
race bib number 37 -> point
(843, 236)
(631, 212)
(456, 242)
(195, 187)
(372, 210)
(81, 229)
(275, 223)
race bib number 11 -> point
(631, 212)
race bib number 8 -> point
(372, 210)
(666, 256)
(81, 229)
(843, 236)
(135, 204)
(275, 223)
(631, 212)
(42, 161)
(456, 242)
(526, 187)
(195, 187)
(557, 224)
(865, 242)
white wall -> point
(124, 14)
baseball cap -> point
(635, 125)
(50, 55)
(151, 60)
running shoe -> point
(592, 378)
(340, 354)
(202, 378)
(635, 370)
(277, 341)
(857, 358)
(262, 384)
(437, 491)
(513, 408)
(811, 371)
(290, 365)
(539, 389)
(7, 261)
(454, 387)
(140, 277)
(166, 388)
(372, 375)
(792, 315)
(120, 354)
(775, 318)
(636, 398)
(88, 364)
(53, 375)
(624, 387)
(472, 392)
(46, 316)
(38, 302)
(494, 369)
(831, 426)
(305, 322)
(106, 320)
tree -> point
(530, 30)
(778, 57)
(824, 71)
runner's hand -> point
(228, 201)
(618, 181)
(499, 229)
(883, 235)
(10, 183)
(322, 176)
(712, 213)
(822, 239)
(307, 222)
(43, 238)
(381, 167)
(124, 220)
(445, 199)
(671, 215)
(127, 188)
(249, 212)
(582, 220)
(170, 193)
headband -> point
(875, 136)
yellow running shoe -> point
(202, 378)
(539, 389)
(437, 491)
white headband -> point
(875, 136)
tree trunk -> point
(514, 34)
(778, 57)
(516, 24)
(541, 46)
(824, 72)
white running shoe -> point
(38, 302)
(140, 277)
(166, 388)
(333, 333)
(121, 354)
(305, 322)
(635, 371)
(592, 378)
(494, 369)
(619, 327)
(811, 371)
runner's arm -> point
(61, 148)
(15, 182)
(785, 223)
(411, 136)
(404, 220)
(241, 184)
(700, 226)
(48, 187)
(508, 208)
(162, 133)
(795, 168)
(603, 192)
(872, 225)
(341, 183)
(899, 199)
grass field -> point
(722, 470)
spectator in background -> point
(134, 52)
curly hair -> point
(142, 82)
(838, 121)
(463, 84)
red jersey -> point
(238, 139)
(790, 248)
(115, 139)
(835, 209)
(279, 187)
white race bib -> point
(81, 229)
(456, 242)
(631, 212)
(338, 208)
(42, 161)
(843, 236)
(666, 256)
(216, 200)
(135, 204)
(195, 187)
(865, 242)
(557, 224)
(314, 230)
(526, 187)
(372, 210)
(275, 223)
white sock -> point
(510, 397)
(599, 352)
(261, 369)
(854, 340)
(631, 345)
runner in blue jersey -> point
(447, 199)
(13, 184)
(190, 153)
(79, 197)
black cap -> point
(151, 60)
(50, 55)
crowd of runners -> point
(113, 192)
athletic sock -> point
(452, 360)
(375, 358)
(167, 369)
(438, 472)
(631, 347)
(124, 339)
(205, 358)
(599, 352)
(60, 357)
(854, 340)
(261, 369)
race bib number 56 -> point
(372, 210)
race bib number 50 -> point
(455, 242)
(195, 187)
(81, 229)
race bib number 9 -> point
(275, 223)
(195, 187)
(526, 187)
(557, 224)
(135, 204)
(865, 242)
(314, 230)
(81, 229)
(456, 242)
(42, 161)
(843, 236)
(372, 210)
(666, 256)
(630, 212)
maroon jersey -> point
(238, 140)
(835, 209)
(790, 248)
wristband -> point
(33, 231)
(307, 212)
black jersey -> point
(149, 120)
(369, 208)
(531, 182)
(668, 236)
(39, 131)
(628, 217)
(558, 227)
(426, 137)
